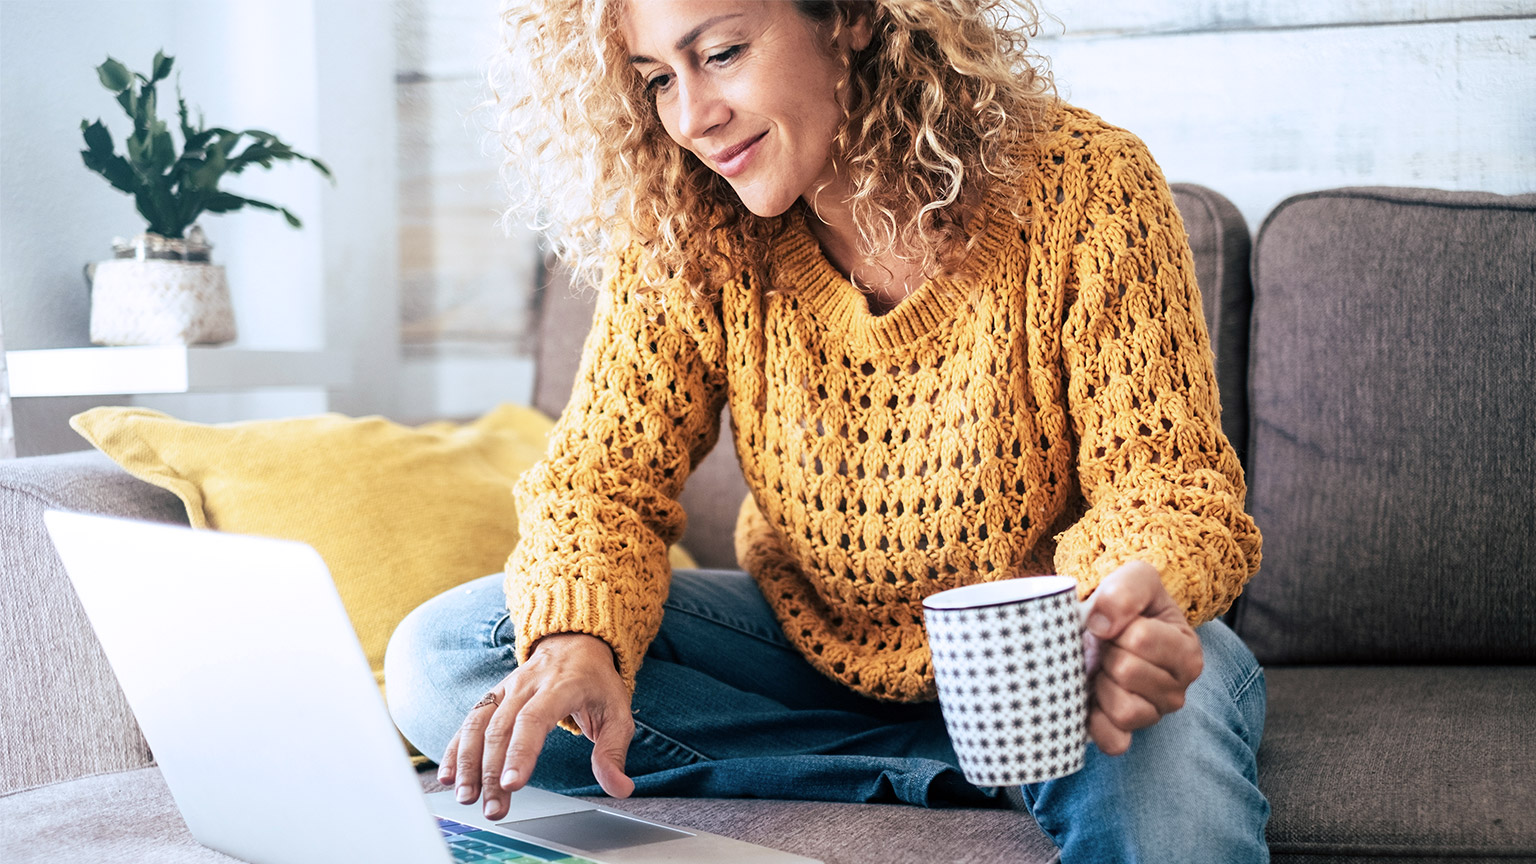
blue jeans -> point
(724, 707)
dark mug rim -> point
(1070, 587)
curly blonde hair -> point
(937, 107)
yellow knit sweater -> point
(1053, 411)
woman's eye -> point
(725, 56)
(658, 83)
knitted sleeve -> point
(1161, 481)
(597, 514)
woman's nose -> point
(700, 108)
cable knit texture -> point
(1053, 410)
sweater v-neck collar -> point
(800, 266)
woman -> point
(956, 324)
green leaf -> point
(256, 153)
(139, 155)
(130, 102)
(97, 137)
(136, 144)
(260, 205)
(207, 174)
(193, 144)
(192, 204)
(166, 220)
(151, 206)
(224, 202)
(268, 149)
(187, 132)
(114, 76)
(147, 109)
(162, 149)
(321, 167)
(162, 66)
(100, 158)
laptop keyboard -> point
(468, 843)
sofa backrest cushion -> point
(1218, 237)
(1391, 463)
(62, 714)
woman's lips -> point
(733, 161)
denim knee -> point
(1187, 788)
(443, 657)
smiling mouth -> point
(731, 160)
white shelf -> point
(168, 369)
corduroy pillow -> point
(400, 514)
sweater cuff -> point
(570, 606)
(1204, 558)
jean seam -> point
(775, 639)
(1242, 689)
(1030, 803)
(490, 636)
(647, 729)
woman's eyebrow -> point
(689, 37)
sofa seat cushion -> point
(860, 833)
(122, 818)
(1401, 763)
(129, 817)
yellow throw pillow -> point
(400, 514)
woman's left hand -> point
(1142, 655)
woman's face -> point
(748, 86)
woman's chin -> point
(765, 206)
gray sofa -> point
(1378, 369)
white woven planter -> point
(159, 302)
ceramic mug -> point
(1008, 660)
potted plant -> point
(161, 286)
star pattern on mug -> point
(1011, 684)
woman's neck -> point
(886, 278)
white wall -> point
(319, 73)
(1260, 99)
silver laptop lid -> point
(233, 651)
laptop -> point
(246, 678)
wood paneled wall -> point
(1261, 99)
(465, 282)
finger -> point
(498, 733)
(1123, 708)
(610, 748)
(1143, 678)
(1122, 597)
(534, 723)
(471, 744)
(1173, 647)
(450, 758)
(1110, 739)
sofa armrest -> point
(62, 714)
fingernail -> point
(465, 795)
(443, 776)
(490, 804)
(1098, 625)
(508, 777)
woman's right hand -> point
(567, 675)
